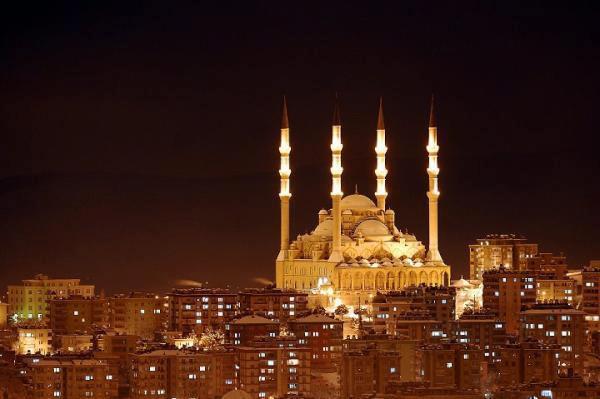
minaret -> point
(284, 173)
(336, 184)
(380, 150)
(433, 255)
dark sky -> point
(139, 141)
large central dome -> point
(357, 201)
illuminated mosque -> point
(356, 248)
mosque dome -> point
(325, 228)
(323, 212)
(357, 201)
(373, 229)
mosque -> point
(356, 249)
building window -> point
(152, 368)
(192, 376)
(449, 365)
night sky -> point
(139, 141)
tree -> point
(341, 310)
(319, 310)
(211, 339)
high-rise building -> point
(195, 309)
(78, 314)
(276, 303)
(323, 334)
(166, 374)
(557, 323)
(481, 328)
(368, 370)
(420, 325)
(451, 365)
(505, 291)
(494, 250)
(591, 290)
(274, 367)
(439, 302)
(404, 349)
(30, 299)
(137, 313)
(242, 331)
(356, 248)
(525, 362)
(71, 378)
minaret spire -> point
(284, 174)
(336, 183)
(433, 170)
(380, 151)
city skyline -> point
(115, 158)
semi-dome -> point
(357, 201)
(373, 228)
(325, 228)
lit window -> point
(449, 365)
(56, 394)
(466, 356)
(152, 368)
(89, 377)
(188, 307)
(109, 377)
(192, 376)
(56, 369)
(76, 313)
(392, 369)
(142, 311)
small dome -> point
(357, 201)
(372, 228)
(323, 212)
(325, 228)
(237, 394)
(390, 212)
(365, 262)
(346, 212)
(386, 263)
